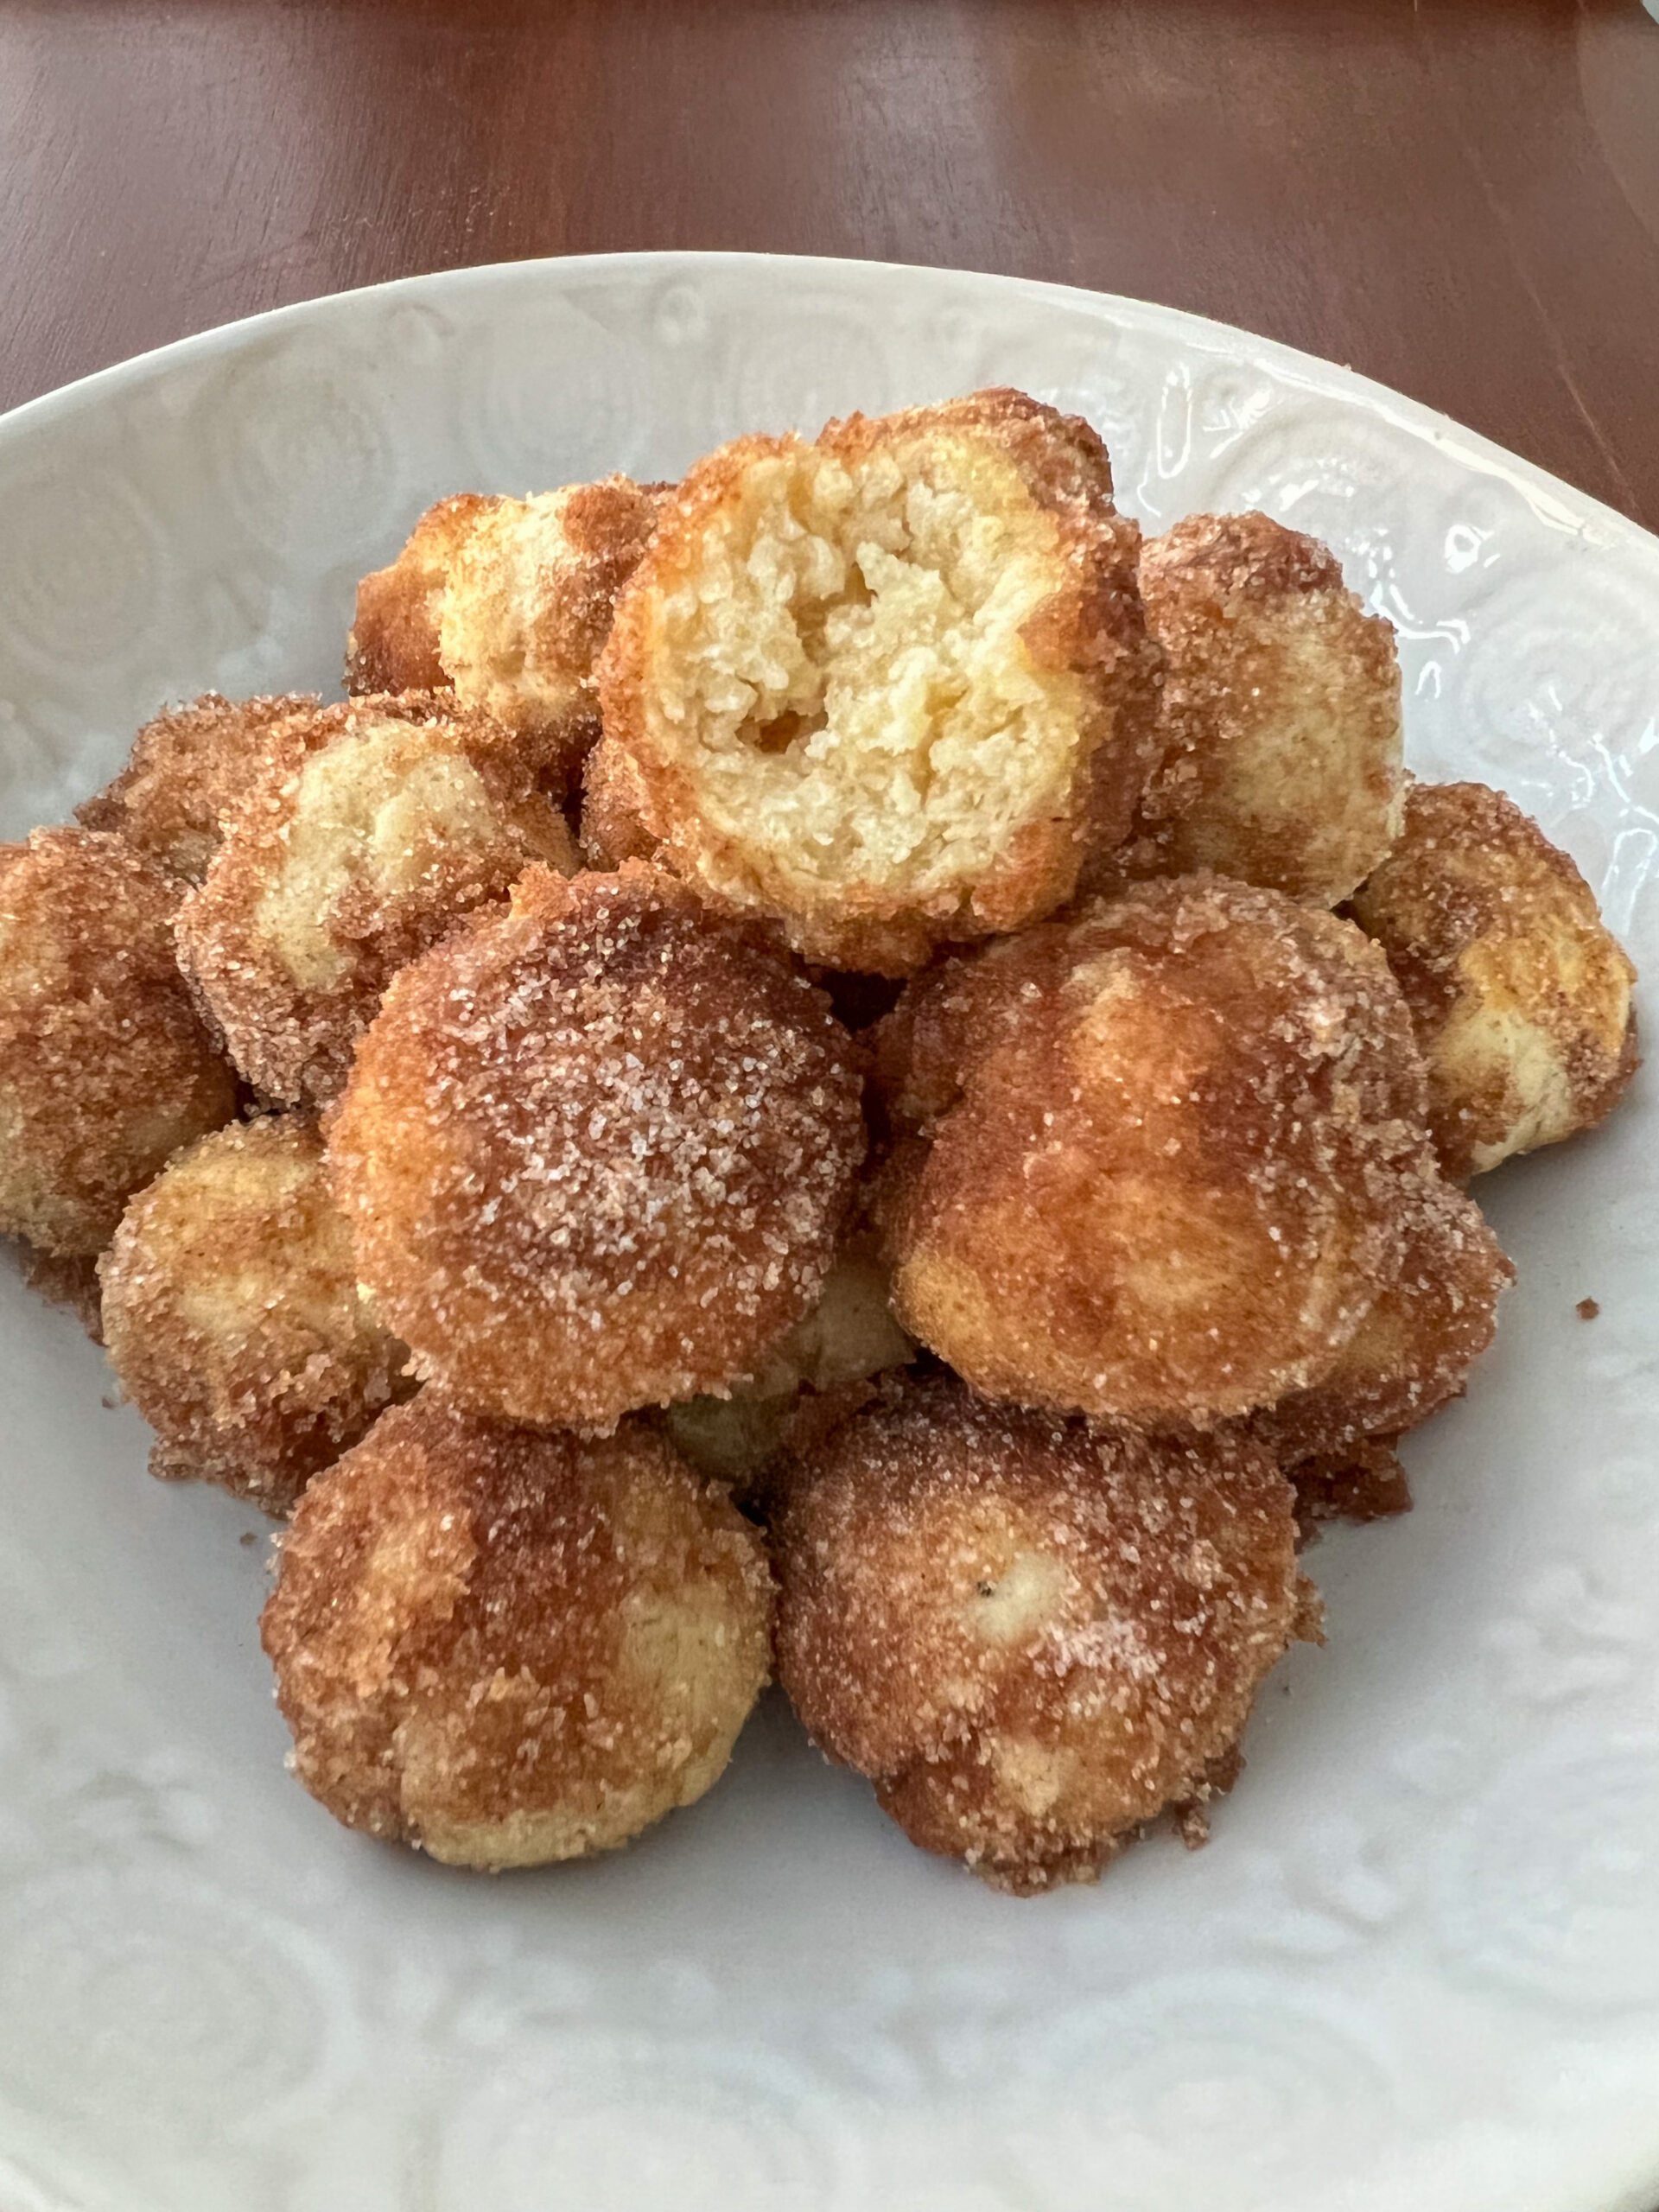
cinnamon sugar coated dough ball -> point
(888, 688)
(597, 1151)
(508, 1649)
(188, 768)
(233, 1317)
(1432, 1321)
(527, 606)
(1520, 994)
(1280, 713)
(371, 828)
(393, 645)
(1152, 1160)
(104, 1067)
(1031, 1638)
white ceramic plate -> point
(1418, 1964)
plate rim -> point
(1574, 507)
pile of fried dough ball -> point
(842, 1068)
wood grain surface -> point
(1460, 197)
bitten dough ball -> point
(186, 769)
(508, 1649)
(509, 602)
(371, 828)
(1280, 715)
(1152, 1161)
(888, 688)
(1031, 1638)
(104, 1067)
(234, 1317)
(1520, 994)
(597, 1151)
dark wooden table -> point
(1460, 197)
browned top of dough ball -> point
(1233, 560)
(597, 1149)
(1032, 1636)
(1156, 1154)
(188, 768)
(510, 1646)
(104, 1067)
(371, 828)
(234, 1317)
(1062, 458)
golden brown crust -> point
(1280, 723)
(373, 827)
(1152, 1161)
(233, 1317)
(393, 645)
(797, 812)
(508, 1647)
(597, 1150)
(1062, 458)
(1239, 560)
(1520, 996)
(104, 1067)
(607, 526)
(187, 768)
(1033, 1638)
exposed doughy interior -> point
(847, 654)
